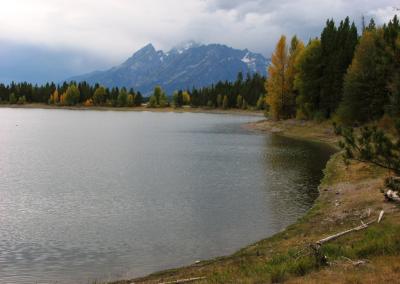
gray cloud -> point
(104, 32)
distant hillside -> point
(182, 67)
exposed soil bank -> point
(348, 194)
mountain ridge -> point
(189, 65)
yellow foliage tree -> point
(56, 97)
(276, 85)
(130, 100)
(186, 98)
(88, 103)
(295, 50)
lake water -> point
(88, 195)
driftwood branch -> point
(356, 262)
(380, 216)
(316, 247)
(333, 237)
(188, 280)
(361, 227)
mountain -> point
(190, 64)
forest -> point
(349, 78)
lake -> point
(102, 195)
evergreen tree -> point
(138, 99)
(365, 91)
(308, 80)
(337, 46)
(177, 99)
(157, 94)
(122, 98)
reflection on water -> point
(90, 195)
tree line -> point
(69, 94)
(243, 93)
(341, 75)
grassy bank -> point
(348, 195)
(139, 109)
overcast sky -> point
(43, 40)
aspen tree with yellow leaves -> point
(277, 85)
(296, 48)
(281, 74)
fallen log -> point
(321, 259)
(361, 227)
(392, 196)
(333, 237)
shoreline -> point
(136, 109)
(340, 205)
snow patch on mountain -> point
(187, 65)
(250, 61)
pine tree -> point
(122, 98)
(365, 84)
(337, 46)
(138, 99)
(308, 80)
(372, 145)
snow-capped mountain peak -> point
(187, 65)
